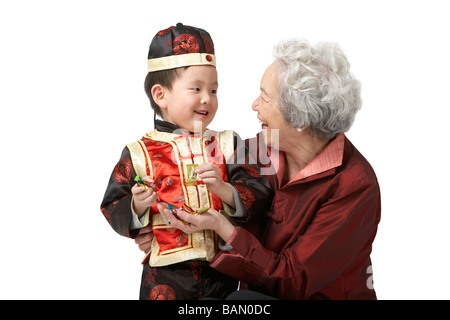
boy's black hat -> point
(180, 46)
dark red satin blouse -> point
(318, 235)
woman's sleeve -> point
(341, 229)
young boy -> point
(183, 164)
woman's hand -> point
(211, 219)
(144, 239)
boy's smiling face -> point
(192, 103)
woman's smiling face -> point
(268, 108)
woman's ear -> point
(159, 95)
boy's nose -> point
(205, 99)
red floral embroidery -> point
(122, 171)
(156, 167)
(195, 269)
(107, 214)
(169, 181)
(182, 240)
(165, 31)
(162, 292)
(150, 277)
(185, 43)
(251, 170)
(247, 197)
(209, 46)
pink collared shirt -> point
(329, 158)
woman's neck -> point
(300, 153)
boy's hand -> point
(142, 197)
(209, 173)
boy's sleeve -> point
(116, 204)
(244, 174)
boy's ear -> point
(159, 95)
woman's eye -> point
(266, 101)
(214, 91)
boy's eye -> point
(195, 89)
(214, 91)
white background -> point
(71, 81)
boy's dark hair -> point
(164, 78)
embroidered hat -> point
(180, 46)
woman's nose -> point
(255, 105)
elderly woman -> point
(324, 216)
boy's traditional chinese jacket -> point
(167, 156)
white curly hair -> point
(316, 89)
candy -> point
(146, 184)
(188, 209)
(192, 178)
(142, 182)
(173, 209)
